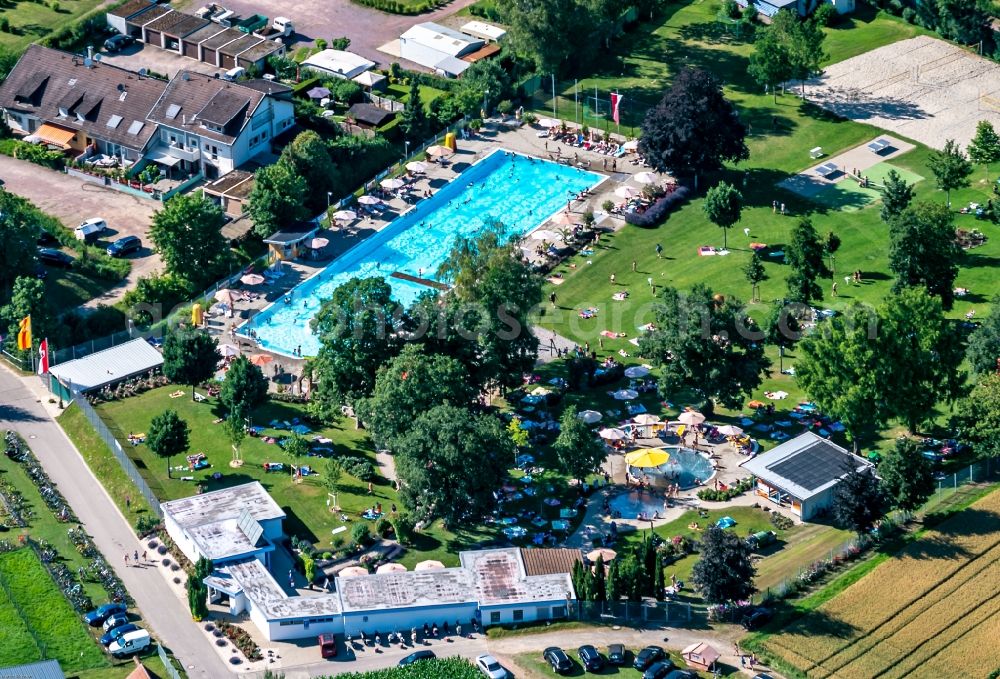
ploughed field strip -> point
(932, 611)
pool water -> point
(683, 468)
(519, 191)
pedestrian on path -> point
(782, 209)
(552, 299)
(833, 290)
(126, 559)
(144, 559)
(659, 251)
(128, 503)
(370, 490)
(135, 557)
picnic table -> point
(879, 145)
(567, 513)
(826, 170)
(816, 152)
(515, 532)
(560, 524)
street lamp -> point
(406, 147)
(485, 95)
(329, 197)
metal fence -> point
(977, 472)
(172, 672)
(126, 463)
(631, 612)
(578, 105)
(90, 347)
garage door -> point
(190, 50)
(228, 62)
(209, 57)
(154, 38)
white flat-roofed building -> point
(438, 48)
(507, 595)
(339, 63)
(224, 525)
(110, 366)
(481, 29)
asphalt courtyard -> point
(73, 200)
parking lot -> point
(73, 200)
(138, 56)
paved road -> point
(21, 409)
(72, 200)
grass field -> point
(305, 502)
(781, 134)
(31, 21)
(69, 289)
(37, 622)
(933, 610)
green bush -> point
(96, 263)
(407, 7)
(4, 24)
(383, 528)
(826, 14)
(403, 527)
(358, 467)
(321, 44)
(38, 154)
(360, 535)
(154, 297)
(780, 521)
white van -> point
(129, 643)
(90, 230)
(234, 73)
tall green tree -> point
(755, 275)
(830, 246)
(556, 36)
(805, 48)
(187, 234)
(707, 345)
(920, 352)
(581, 582)
(694, 128)
(858, 500)
(409, 384)
(413, 121)
(724, 573)
(18, 231)
(600, 580)
(978, 417)
(485, 79)
(896, 196)
(907, 476)
(168, 435)
(236, 429)
(983, 348)
(579, 452)
(493, 295)
(244, 389)
(723, 206)
(781, 326)
(613, 583)
(190, 357)
(450, 463)
(28, 298)
(839, 368)
(951, 168)
(984, 148)
(771, 60)
(308, 156)
(277, 199)
(804, 255)
(923, 251)
(358, 330)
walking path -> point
(24, 408)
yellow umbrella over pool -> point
(647, 457)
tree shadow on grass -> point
(977, 261)
(814, 623)
(717, 33)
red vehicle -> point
(328, 645)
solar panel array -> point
(815, 466)
(250, 526)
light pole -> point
(486, 94)
(406, 149)
(329, 197)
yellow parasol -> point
(647, 457)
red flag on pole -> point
(616, 100)
(43, 356)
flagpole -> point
(576, 101)
(618, 111)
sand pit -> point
(922, 88)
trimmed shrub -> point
(360, 535)
(404, 526)
(358, 467)
(658, 211)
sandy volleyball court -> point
(922, 88)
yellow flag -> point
(24, 334)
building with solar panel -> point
(802, 473)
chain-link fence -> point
(584, 103)
(645, 613)
(168, 664)
(90, 347)
(977, 472)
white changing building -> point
(239, 527)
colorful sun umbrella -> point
(392, 183)
(429, 565)
(646, 419)
(590, 416)
(613, 434)
(390, 568)
(437, 150)
(224, 295)
(647, 457)
(252, 279)
(344, 216)
(369, 200)
(261, 359)
(626, 395)
(228, 350)
(646, 177)
(602, 553)
(627, 192)
(691, 418)
(353, 572)
(730, 430)
(416, 166)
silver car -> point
(491, 667)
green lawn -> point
(803, 545)
(304, 502)
(31, 21)
(69, 289)
(402, 93)
(40, 621)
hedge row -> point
(401, 6)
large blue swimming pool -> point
(519, 191)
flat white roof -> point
(109, 366)
(441, 38)
(501, 580)
(481, 29)
(223, 504)
(339, 63)
(263, 590)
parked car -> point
(762, 676)
(417, 657)
(54, 257)
(647, 657)
(557, 659)
(681, 674)
(46, 238)
(590, 658)
(101, 613)
(756, 618)
(616, 654)
(124, 245)
(116, 632)
(129, 643)
(118, 42)
(327, 645)
(659, 669)
(234, 74)
(491, 667)
(114, 620)
(90, 230)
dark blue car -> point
(124, 246)
(116, 632)
(101, 613)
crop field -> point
(932, 611)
